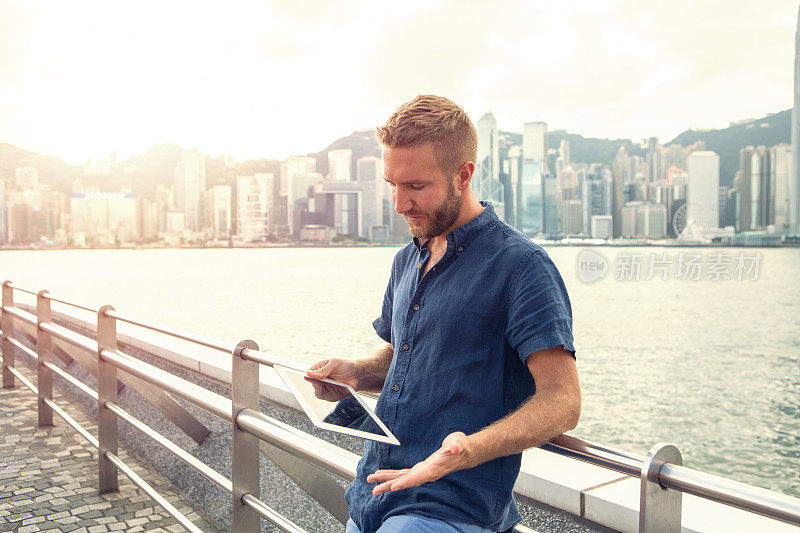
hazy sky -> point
(268, 79)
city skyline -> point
(80, 83)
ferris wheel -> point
(679, 220)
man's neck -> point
(470, 209)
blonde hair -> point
(436, 120)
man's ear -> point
(465, 175)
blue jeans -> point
(410, 523)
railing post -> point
(659, 508)
(107, 392)
(7, 324)
(245, 453)
(44, 348)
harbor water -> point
(707, 359)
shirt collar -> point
(460, 237)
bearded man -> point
(479, 363)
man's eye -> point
(415, 187)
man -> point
(479, 362)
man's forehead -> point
(420, 155)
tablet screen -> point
(335, 406)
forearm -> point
(373, 370)
(545, 415)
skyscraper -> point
(534, 167)
(339, 164)
(296, 164)
(190, 184)
(486, 180)
(218, 210)
(254, 201)
(370, 168)
(703, 190)
(782, 162)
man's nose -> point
(402, 201)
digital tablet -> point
(335, 406)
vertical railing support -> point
(107, 428)
(44, 347)
(659, 508)
(7, 324)
(245, 453)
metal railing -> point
(663, 478)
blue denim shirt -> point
(460, 335)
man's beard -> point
(442, 218)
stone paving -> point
(48, 477)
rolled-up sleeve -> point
(538, 307)
(383, 324)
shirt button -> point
(405, 346)
(416, 307)
(460, 248)
(419, 265)
(395, 387)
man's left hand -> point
(450, 457)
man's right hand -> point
(336, 370)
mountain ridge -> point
(156, 166)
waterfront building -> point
(190, 184)
(782, 180)
(370, 168)
(703, 190)
(619, 178)
(218, 210)
(148, 220)
(349, 208)
(165, 202)
(254, 195)
(530, 186)
(552, 209)
(486, 180)
(296, 164)
(339, 162)
(597, 195)
(651, 221)
(629, 219)
(571, 220)
(297, 198)
(602, 227)
(653, 160)
(513, 176)
(760, 190)
(743, 185)
(104, 218)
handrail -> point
(172, 332)
(54, 299)
(668, 475)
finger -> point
(409, 480)
(385, 475)
(383, 487)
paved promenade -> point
(48, 477)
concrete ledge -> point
(594, 493)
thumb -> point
(455, 443)
(324, 368)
